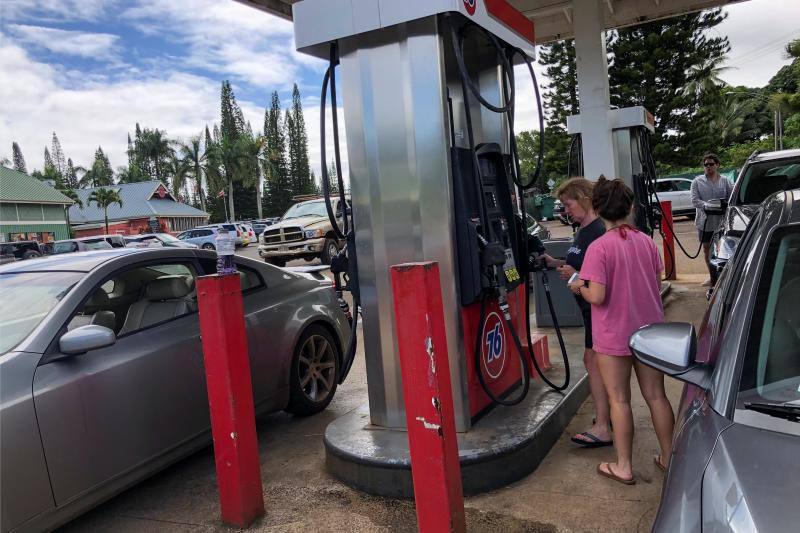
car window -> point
(250, 278)
(764, 178)
(41, 292)
(202, 233)
(771, 370)
(683, 185)
(664, 186)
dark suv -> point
(734, 464)
(19, 250)
(761, 176)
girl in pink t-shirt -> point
(621, 279)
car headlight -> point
(725, 248)
(314, 233)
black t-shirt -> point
(581, 242)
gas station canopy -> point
(553, 19)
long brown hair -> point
(612, 199)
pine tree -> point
(101, 173)
(652, 64)
(561, 94)
(71, 177)
(233, 126)
(298, 147)
(59, 161)
(278, 193)
(19, 160)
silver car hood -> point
(752, 481)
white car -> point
(677, 191)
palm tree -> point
(728, 120)
(156, 148)
(104, 198)
(251, 148)
(178, 169)
(194, 157)
(704, 78)
(72, 195)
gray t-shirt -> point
(703, 189)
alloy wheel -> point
(317, 368)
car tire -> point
(208, 246)
(30, 254)
(329, 250)
(314, 373)
(276, 262)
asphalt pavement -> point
(564, 494)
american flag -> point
(221, 194)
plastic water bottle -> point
(226, 247)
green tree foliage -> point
(100, 174)
(229, 150)
(652, 64)
(104, 198)
(19, 160)
(192, 154)
(71, 177)
(278, 194)
(58, 159)
(299, 167)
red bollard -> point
(419, 319)
(230, 398)
(670, 268)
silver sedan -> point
(101, 369)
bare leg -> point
(651, 383)
(601, 427)
(616, 373)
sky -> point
(90, 69)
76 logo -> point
(494, 344)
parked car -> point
(678, 191)
(156, 240)
(68, 246)
(762, 175)
(737, 437)
(560, 212)
(205, 237)
(304, 231)
(229, 227)
(102, 369)
(537, 230)
(20, 250)
(248, 234)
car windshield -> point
(40, 291)
(771, 372)
(99, 244)
(760, 180)
(166, 237)
(64, 247)
(307, 209)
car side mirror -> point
(85, 338)
(671, 347)
(715, 207)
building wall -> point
(29, 221)
(142, 225)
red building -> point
(147, 207)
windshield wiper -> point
(787, 411)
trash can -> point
(546, 204)
(567, 311)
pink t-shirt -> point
(628, 268)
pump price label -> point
(512, 275)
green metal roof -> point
(19, 187)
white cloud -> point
(68, 42)
(224, 36)
(56, 10)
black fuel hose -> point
(347, 227)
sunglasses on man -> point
(709, 164)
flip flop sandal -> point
(593, 442)
(657, 460)
(611, 475)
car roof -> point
(780, 154)
(77, 262)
